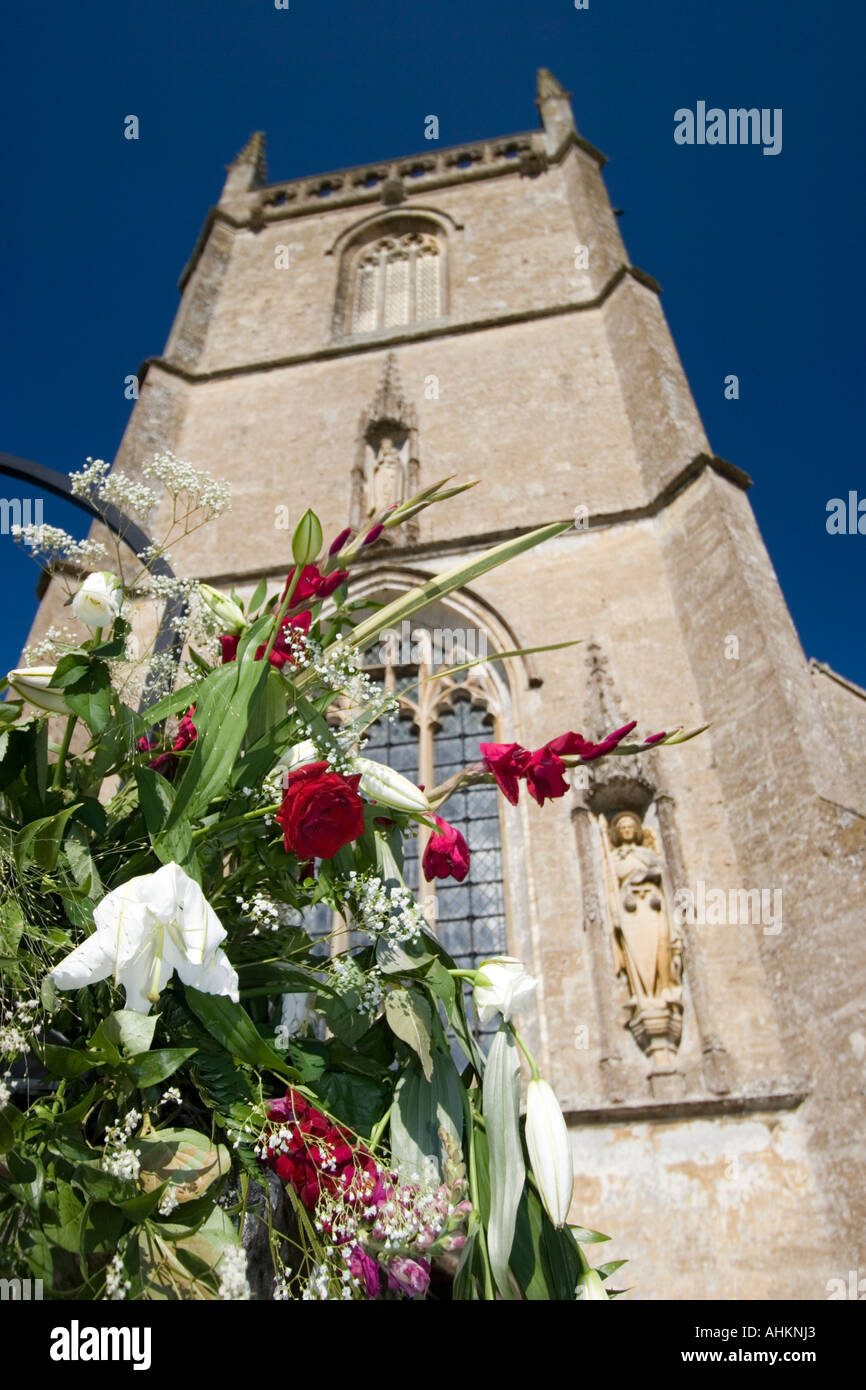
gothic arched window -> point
(436, 732)
(396, 280)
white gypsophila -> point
(232, 1269)
(118, 1159)
(282, 1287)
(5, 1091)
(168, 1202)
(148, 928)
(17, 1029)
(171, 1096)
(385, 911)
(347, 975)
(319, 1285)
(117, 1285)
(182, 480)
(98, 484)
(55, 545)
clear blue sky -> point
(759, 257)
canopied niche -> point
(631, 868)
(386, 468)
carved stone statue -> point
(648, 945)
(385, 479)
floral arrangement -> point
(193, 1080)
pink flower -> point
(363, 1266)
(447, 853)
(408, 1276)
(339, 541)
(571, 745)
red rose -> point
(447, 854)
(543, 773)
(281, 651)
(506, 761)
(321, 812)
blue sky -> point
(758, 256)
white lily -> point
(31, 683)
(509, 988)
(224, 609)
(390, 788)
(145, 930)
(589, 1286)
(549, 1150)
(99, 599)
(299, 755)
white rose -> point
(98, 601)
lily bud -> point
(32, 683)
(589, 1286)
(390, 788)
(98, 601)
(227, 613)
(549, 1150)
(509, 988)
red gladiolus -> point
(317, 1156)
(321, 812)
(544, 775)
(373, 534)
(571, 745)
(312, 584)
(447, 854)
(229, 645)
(281, 651)
(655, 738)
(339, 541)
(186, 734)
(506, 761)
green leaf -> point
(501, 1098)
(396, 958)
(258, 598)
(221, 719)
(184, 1157)
(410, 1018)
(39, 841)
(77, 848)
(90, 698)
(127, 1029)
(606, 1270)
(358, 1101)
(70, 669)
(234, 1029)
(11, 927)
(66, 1062)
(149, 1068)
(407, 604)
(220, 1081)
(155, 797)
(307, 539)
(586, 1237)
(421, 1108)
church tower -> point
(694, 917)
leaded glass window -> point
(398, 281)
(434, 734)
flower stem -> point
(234, 821)
(57, 780)
(526, 1052)
(282, 611)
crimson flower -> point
(312, 584)
(229, 645)
(543, 772)
(187, 733)
(281, 652)
(506, 761)
(571, 745)
(447, 853)
(317, 1156)
(321, 812)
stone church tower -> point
(344, 339)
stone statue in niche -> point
(385, 477)
(648, 944)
